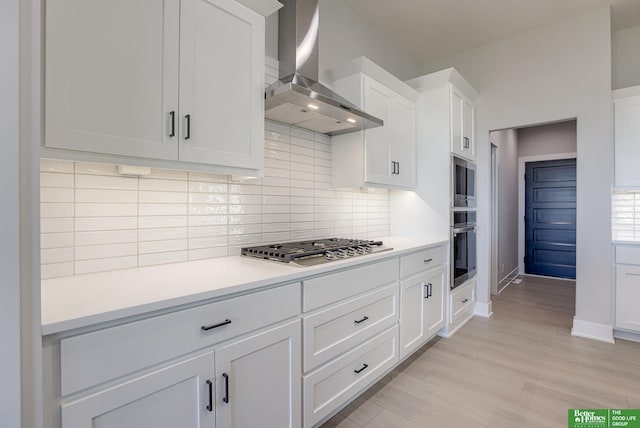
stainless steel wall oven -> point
(463, 183)
(463, 246)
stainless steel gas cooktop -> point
(314, 252)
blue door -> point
(550, 218)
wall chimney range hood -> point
(297, 98)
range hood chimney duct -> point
(297, 98)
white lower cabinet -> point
(422, 303)
(627, 287)
(329, 387)
(259, 380)
(174, 396)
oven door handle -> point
(464, 229)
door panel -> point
(550, 220)
(378, 147)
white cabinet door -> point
(175, 396)
(259, 380)
(221, 84)
(627, 297)
(421, 308)
(627, 141)
(377, 101)
(402, 119)
(434, 318)
(112, 76)
(462, 125)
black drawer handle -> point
(362, 369)
(212, 326)
(465, 300)
(362, 320)
(428, 260)
(210, 405)
(188, 120)
(226, 388)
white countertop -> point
(83, 300)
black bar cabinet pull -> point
(465, 300)
(226, 388)
(465, 142)
(428, 285)
(398, 170)
(210, 405)
(364, 366)
(173, 124)
(212, 326)
(188, 119)
(428, 260)
(362, 320)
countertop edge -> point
(60, 324)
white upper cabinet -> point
(626, 108)
(377, 157)
(462, 125)
(111, 76)
(178, 80)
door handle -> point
(465, 142)
(212, 326)
(364, 366)
(362, 320)
(187, 118)
(226, 388)
(210, 386)
(172, 116)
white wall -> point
(9, 219)
(344, 35)
(625, 60)
(507, 143)
(553, 138)
(554, 73)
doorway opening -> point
(512, 150)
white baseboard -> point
(483, 309)
(592, 330)
(508, 279)
(626, 335)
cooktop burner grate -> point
(316, 251)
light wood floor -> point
(519, 368)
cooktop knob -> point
(329, 255)
(351, 252)
(341, 253)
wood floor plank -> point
(519, 368)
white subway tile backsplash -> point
(102, 196)
(106, 210)
(147, 247)
(148, 197)
(55, 194)
(94, 219)
(89, 252)
(105, 237)
(56, 240)
(56, 270)
(145, 222)
(55, 210)
(163, 185)
(54, 179)
(161, 233)
(105, 264)
(56, 225)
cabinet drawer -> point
(90, 359)
(628, 255)
(462, 302)
(330, 386)
(335, 330)
(327, 289)
(426, 259)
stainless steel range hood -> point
(297, 98)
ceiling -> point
(429, 30)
